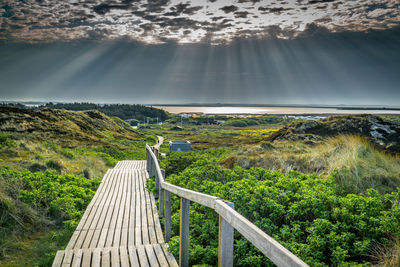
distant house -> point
(183, 146)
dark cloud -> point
(182, 8)
(217, 18)
(241, 14)
(229, 9)
(49, 21)
(249, 1)
(105, 8)
(276, 10)
(320, 1)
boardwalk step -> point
(142, 255)
(120, 223)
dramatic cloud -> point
(317, 67)
(157, 21)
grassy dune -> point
(51, 162)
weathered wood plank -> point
(184, 233)
(124, 256)
(114, 256)
(96, 258)
(133, 257)
(142, 256)
(105, 258)
(170, 258)
(160, 255)
(121, 214)
(76, 262)
(151, 255)
(87, 257)
(58, 258)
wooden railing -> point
(229, 220)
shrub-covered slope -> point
(306, 213)
(62, 125)
(51, 162)
(79, 142)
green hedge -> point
(302, 212)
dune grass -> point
(356, 163)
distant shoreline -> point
(277, 110)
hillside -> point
(123, 111)
(66, 141)
(51, 162)
(383, 133)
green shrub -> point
(32, 201)
(6, 141)
(302, 212)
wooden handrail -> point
(266, 244)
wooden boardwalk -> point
(120, 227)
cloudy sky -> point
(168, 51)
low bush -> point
(32, 201)
(302, 212)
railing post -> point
(147, 159)
(157, 182)
(184, 233)
(167, 223)
(161, 196)
(225, 241)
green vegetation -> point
(34, 203)
(307, 213)
(359, 165)
(258, 120)
(123, 111)
(51, 162)
(329, 196)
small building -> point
(183, 146)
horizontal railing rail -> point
(229, 219)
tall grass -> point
(356, 163)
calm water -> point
(269, 110)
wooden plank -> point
(124, 257)
(58, 259)
(184, 233)
(87, 257)
(83, 224)
(115, 232)
(96, 258)
(72, 241)
(88, 239)
(225, 242)
(76, 262)
(138, 212)
(113, 215)
(131, 232)
(108, 210)
(145, 234)
(157, 225)
(133, 258)
(98, 219)
(170, 258)
(68, 256)
(105, 258)
(142, 256)
(114, 256)
(127, 210)
(203, 199)
(160, 255)
(151, 255)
